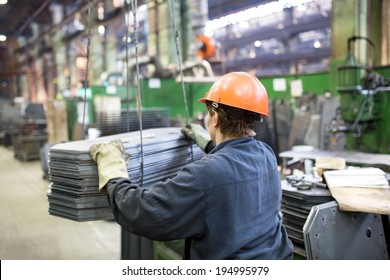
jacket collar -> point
(230, 142)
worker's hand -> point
(198, 134)
(110, 160)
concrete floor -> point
(28, 232)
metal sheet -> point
(330, 234)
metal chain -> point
(139, 103)
(127, 24)
(86, 83)
(173, 17)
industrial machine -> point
(364, 100)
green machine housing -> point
(364, 107)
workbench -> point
(350, 157)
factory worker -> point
(226, 205)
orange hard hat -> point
(239, 90)
(207, 50)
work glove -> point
(198, 134)
(110, 160)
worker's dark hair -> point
(233, 121)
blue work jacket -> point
(227, 203)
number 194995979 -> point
(242, 270)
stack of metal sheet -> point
(73, 192)
(110, 124)
(296, 206)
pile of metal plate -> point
(360, 236)
(297, 200)
(110, 124)
(27, 147)
(73, 192)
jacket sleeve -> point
(168, 210)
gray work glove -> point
(198, 134)
(110, 160)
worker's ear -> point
(215, 119)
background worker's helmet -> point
(239, 90)
(207, 49)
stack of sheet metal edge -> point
(127, 121)
(73, 191)
(296, 206)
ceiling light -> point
(257, 44)
(317, 44)
(101, 30)
(3, 37)
(3, 2)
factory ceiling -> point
(17, 15)
(219, 8)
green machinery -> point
(364, 105)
